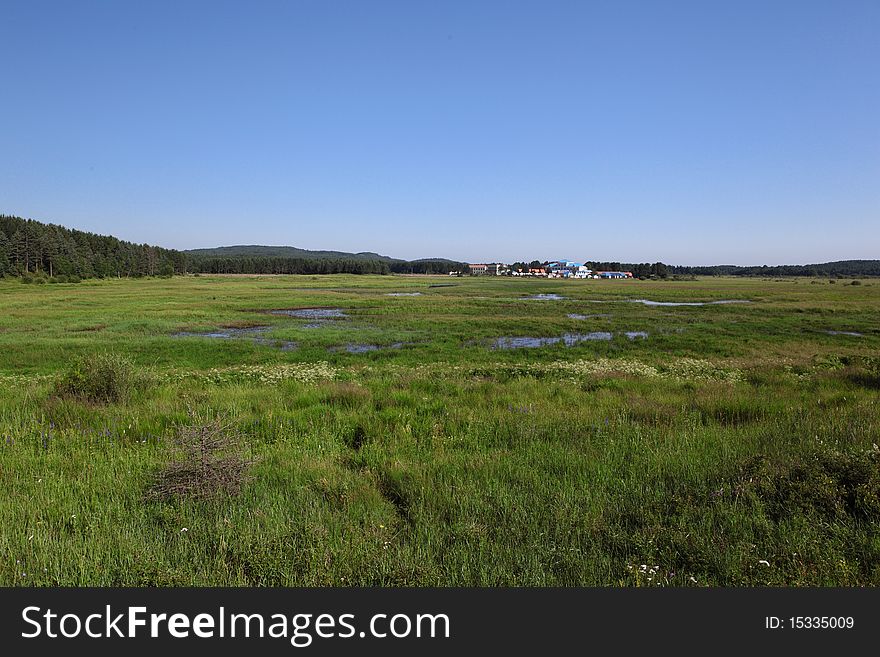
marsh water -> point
(254, 334)
(568, 340)
(720, 302)
(361, 348)
(550, 296)
(312, 313)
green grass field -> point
(734, 445)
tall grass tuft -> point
(102, 378)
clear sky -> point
(741, 132)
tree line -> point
(30, 247)
(284, 265)
(280, 265)
(829, 269)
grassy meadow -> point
(724, 444)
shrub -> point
(206, 462)
(73, 278)
(102, 378)
(832, 485)
(29, 278)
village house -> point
(563, 268)
(490, 269)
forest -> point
(29, 247)
(38, 251)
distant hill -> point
(256, 259)
(837, 268)
(257, 251)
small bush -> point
(38, 278)
(206, 462)
(834, 486)
(856, 283)
(73, 278)
(101, 379)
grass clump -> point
(102, 378)
(346, 395)
(206, 463)
(833, 486)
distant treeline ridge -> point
(32, 248)
(281, 265)
(830, 269)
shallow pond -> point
(568, 340)
(252, 333)
(403, 294)
(648, 302)
(360, 348)
(550, 296)
(853, 334)
(311, 313)
(225, 333)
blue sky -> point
(688, 132)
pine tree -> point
(18, 251)
(4, 254)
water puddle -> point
(360, 348)
(634, 335)
(853, 334)
(312, 313)
(568, 340)
(403, 294)
(579, 316)
(648, 302)
(225, 333)
(321, 317)
(550, 296)
(252, 333)
(283, 345)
